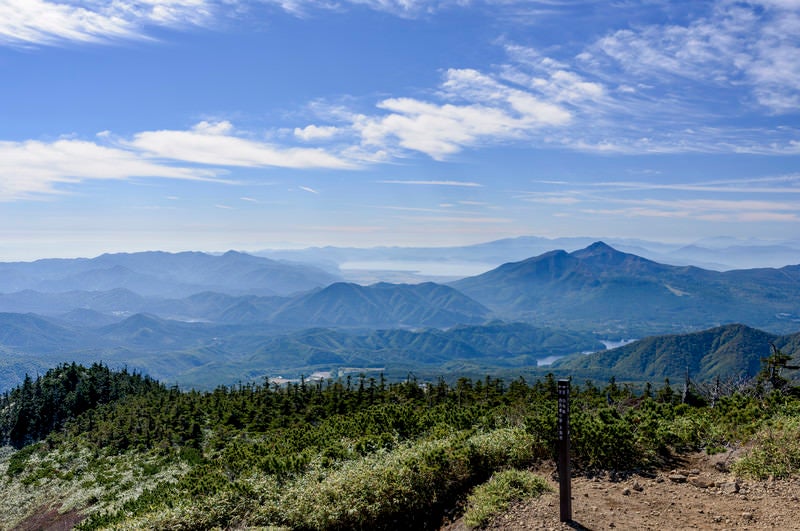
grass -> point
(393, 488)
(497, 494)
(775, 451)
(77, 479)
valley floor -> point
(707, 497)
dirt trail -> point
(701, 494)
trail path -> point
(701, 494)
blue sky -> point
(215, 124)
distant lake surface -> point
(609, 344)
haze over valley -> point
(203, 320)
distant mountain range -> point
(597, 288)
(160, 274)
(603, 289)
(338, 305)
(441, 264)
(204, 320)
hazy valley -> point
(202, 320)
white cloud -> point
(736, 44)
(552, 78)
(551, 198)
(315, 132)
(758, 199)
(214, 144)
(785, 184)
(400, 8)
(42, 22)
(47, 22)
(223, 127)
(485, 110)
(755, 217)
(309, 190)
(32, 168)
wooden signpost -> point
(564, 468)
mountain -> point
(115, 301)
(727, 351)
(339, 304)
(464, 350)
(382, 305)
(164, 275)
(736, 254)
(601, 288)
(207, 354)
(31, 332)
(142, 331)
(88, 318)
(441, 264)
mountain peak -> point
(598, 248)
(600, 254)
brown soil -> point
(49, 519)
(701, 494)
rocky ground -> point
(700, 493)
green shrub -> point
(497, 494)
(775, 451)
(399, 485)
(18, 461)
(603, 440)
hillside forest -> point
(113, 449)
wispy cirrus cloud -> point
(702, 209)
(762, 199)
(214, 143)
(55, 22)
(658, 89)
(34, 168)
(754, 44)
(782, 184)
(47, 22)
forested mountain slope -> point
(731, 351)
